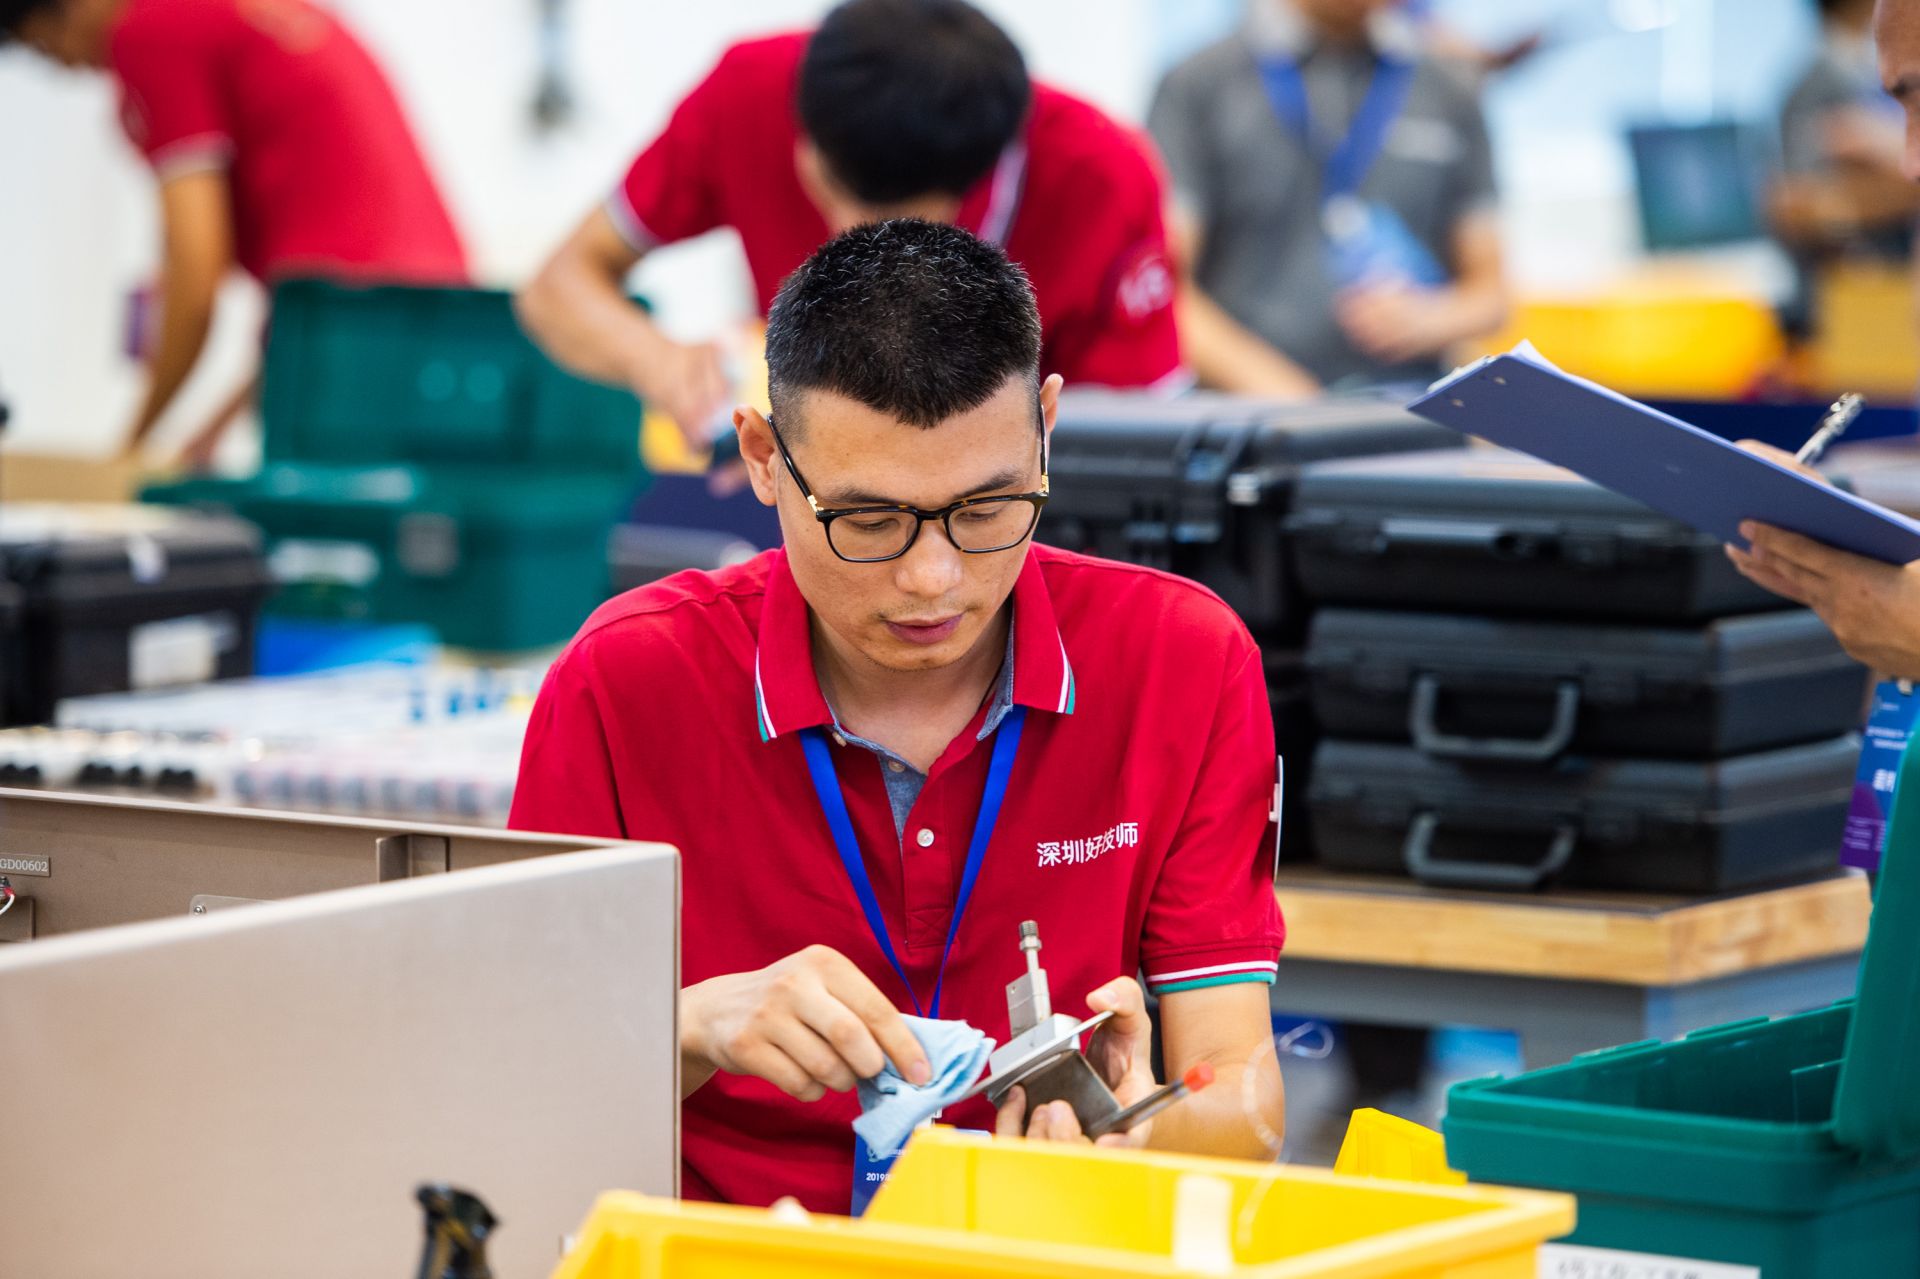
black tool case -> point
(1628, 824)
(1200, 485)
(122, 598)
(1517, 691)
(1486, 530)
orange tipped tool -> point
(1198, 1076)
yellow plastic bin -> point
(1658, 336)
(963, 1206)
(1382, 1145)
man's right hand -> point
(688, 382)
(810, 1023)
(578, 310)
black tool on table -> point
(458, 1225)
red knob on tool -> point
(1198, 1077)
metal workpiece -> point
(1029, 1003)
(1043, 1056)
(1066, 1075)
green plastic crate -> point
(491, 559)
(1789, 1146)
(427, 375)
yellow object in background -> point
(1382, 1145)
(1865, 336)
(662, 445)
(664, 449)
(1654, 337)
(43, 477)
(958, 1205)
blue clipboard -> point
(1675, 468)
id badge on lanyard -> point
(1889, 727)
(1366, 241)
(870, 1167)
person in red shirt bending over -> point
(277, 143)
(882, 747)
(892, 108)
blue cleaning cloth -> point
(891, 1108)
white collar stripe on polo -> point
(1003, 201)
(761, 713)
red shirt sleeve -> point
(1213, 918)
(672, 191)
(168, 63)
(566, 784)
(1125, 335)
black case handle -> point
(1423, 723)
(1429, 869)
(1461, 535)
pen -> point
(1147, 1107)
(1832, 427)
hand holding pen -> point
(1838, 418)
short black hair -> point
(917, 319)
(907, 98)
(15, 12)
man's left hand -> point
(1872, 608)
(1121, 1051)
(1393, 323)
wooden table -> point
(1570, 971)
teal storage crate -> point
(491, 558)
(395, 373)
(425, 462)
(1789, 1146)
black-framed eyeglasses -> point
(875, 534)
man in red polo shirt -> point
(907, 636)
(891, 108)
(277, 144)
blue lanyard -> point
(1343, 165)
(826, 783)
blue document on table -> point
(1521, 401)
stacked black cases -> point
(1511, 690)
(1487, 531)
(1202, 485)
(115, 599)
(1607, 705)
(1650, 825)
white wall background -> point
(77, 227)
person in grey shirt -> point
(1873, 609)
(1264, 133)
(1840, 193)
